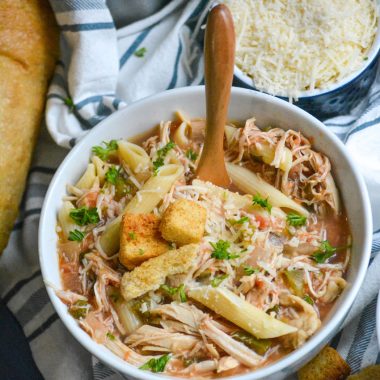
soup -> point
(178, 276)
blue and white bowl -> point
(338, 99)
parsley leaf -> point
(296, 220)
(141, 251)
(113, 174)
(191, 155)
(104, 152)
(69, 102)
(132, 235)
(182, 294)
(258, 200)
(161, 154)
(79, 309)
(84, 215)
(324, 252)
(140, 52)
(308, 299)
(242, 220)
(156, 365)
(220, 251)
(76, 235)
(217, 280)
(110, 336)
(172, 291)
(248, 270)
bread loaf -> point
(28, 52)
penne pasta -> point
(229, 132)
(249, 182)
(145, 200)
(182, 135)
(240, 312)
(88, 178)
(100, 168)
(64, 219)
(332, 189)
(134, 156)
(154, 189)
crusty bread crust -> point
(327, 365)
(28, 51)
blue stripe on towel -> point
(14, 290)
(78, 5)
(87, 27)
(173, 81)
(135, 44)
(363, 336)
(90, 99)
(36, 333)
(364, 126)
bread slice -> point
(152, 273)
(327, 365)
(29, 47)
(370, 373)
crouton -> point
(370, 373)
(183, 222)
(140, 239)
(153, 272)
(328, 364)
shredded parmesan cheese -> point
(289, 46)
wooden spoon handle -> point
(219, 55)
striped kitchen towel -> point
(101, 70)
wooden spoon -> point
(219, 53)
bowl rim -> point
(322, 335)
(373, 55)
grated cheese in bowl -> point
(290, 46)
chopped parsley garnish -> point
(325, 251)
(76, 235)
(110, 336)
(182, 294)
(113, 174)
(104, 152)
(69, 102)
(140, 52)
(191, 155)
(172, 291)
(308, 299)
(365, 58)
(161, 154)
(217, 280)
(274, 309)
(242, 220)
(132, 235)
(248, 270)
(141, 251)
(296, 220)
(220, 251)
(79, 309)
(84, 215)
(259, 201)
(156, 365)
